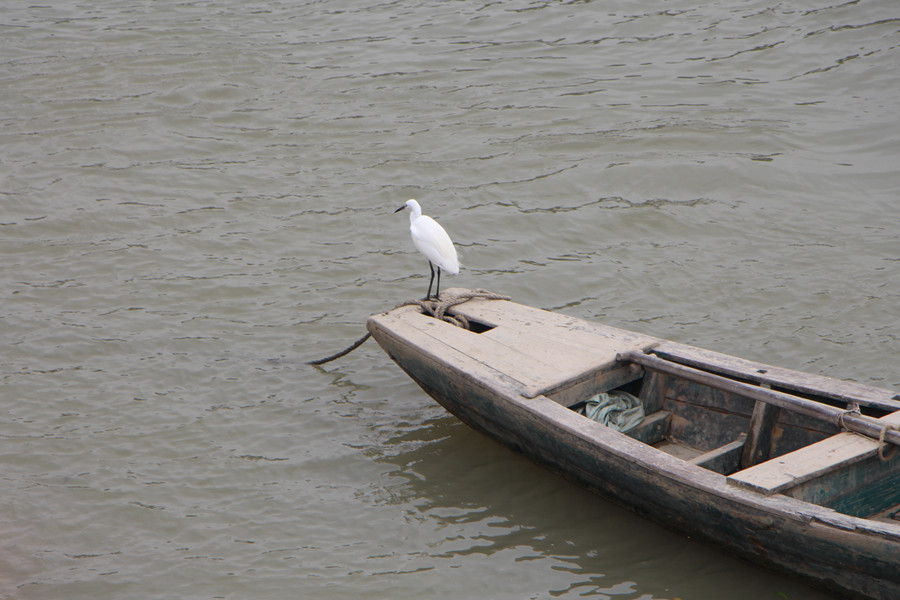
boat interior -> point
(757, 445)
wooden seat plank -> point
(810, 462)
(724, 459)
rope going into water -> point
(433, 308)
(343, 352)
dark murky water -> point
(197, 197)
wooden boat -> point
(794, 471)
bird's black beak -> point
(399, 209)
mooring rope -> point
(434, 308)
(343, 352)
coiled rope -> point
(882, 455)
(433, 308)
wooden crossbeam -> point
(851, 421)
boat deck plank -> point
(575, 332)
(543, 348)
(810, 462)
(534, 357)
(438, 338)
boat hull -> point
(845, 555)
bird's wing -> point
(431, 240)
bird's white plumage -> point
(431, 240)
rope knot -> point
(435, 308)
(438, 308)
(852, 409)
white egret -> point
(431, 240)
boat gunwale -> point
(659, 461)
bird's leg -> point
(428, 295)
(437, 290)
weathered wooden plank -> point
(678, 449)
(517, 363)
(543, 350)
(702, 402)
(709, 397)
(521, 317)
(552, 343)
(653, 391)
(778, 377)
(573, 392)
(532, 357)
(816, 460)
(852, 421)
(652, 429)
(398, 332)
(866, 488)
(725, 459)
(702, 428)
(593, 359)
(779, 474)
(759, 435)
(890, 514)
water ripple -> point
(197, 198)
